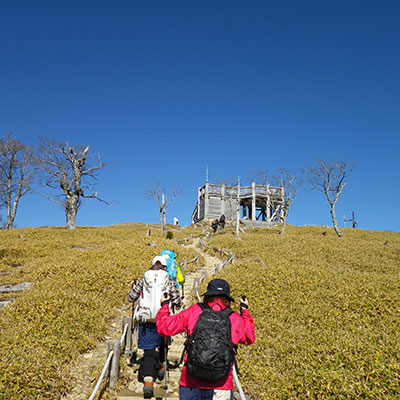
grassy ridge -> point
(326, 311)
(79, 276)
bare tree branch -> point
(64, 170)
(291, 184)
(231, 186)
(261, 176)
(329, 177)
(17, 170)
(163, 198)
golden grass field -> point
(326, 310)
(79, 277)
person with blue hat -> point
(174, 270)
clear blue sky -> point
(163, 88)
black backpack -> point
(210, 349)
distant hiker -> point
(207, 371)
(176, 221)
(149, 291)
(222, 221)
(214, 225)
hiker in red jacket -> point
(242, 331)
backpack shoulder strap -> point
(204, 306)
(227, 311)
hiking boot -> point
(161, 372)
(148, 387)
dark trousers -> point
(186, 393)
(150, 359)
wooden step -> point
(159, 394)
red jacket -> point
(242, 332)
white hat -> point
(161, 259)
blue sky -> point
(161, 89)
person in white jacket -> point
(149, 291)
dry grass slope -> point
(327, 312)
(79, 276)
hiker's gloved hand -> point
(244, 303)
(165, 299)
(134, 282)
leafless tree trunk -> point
(329, 177)
(16, 175)
(291, 185)
(67, 168)
(261, 177)
(157, 193)
(230, 187)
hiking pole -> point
(134, 283)
(237, 383)
(133, 327)
(166, 368)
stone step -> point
(174, 355)
(159, 394)
(15, 287)
(5, 302)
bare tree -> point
(291, 184)
(69, 169)
(163, 199)
(16, 175)
(238, 209)
(329, 177)
(230, 194)
(261, 176)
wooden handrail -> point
(103, 372)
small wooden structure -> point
(262, 203)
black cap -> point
(218, 287)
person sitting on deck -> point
(214, 225)
(222, 221)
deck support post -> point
(253, 201)
(268, 205)
(198, 205)
(206, 201)
(223, 199)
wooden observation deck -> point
(262, 203)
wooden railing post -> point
(114, 369)
(253, 201)
(128, 338)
